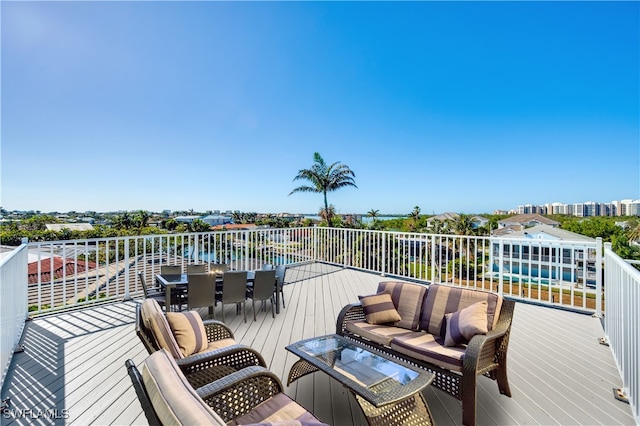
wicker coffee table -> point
(388, 390)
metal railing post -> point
(598, 275)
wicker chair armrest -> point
(483, 349)
(203, 368)
(238, 393)
(351, 312)
(217, 330)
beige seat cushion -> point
(218, 344)
(174, 400)
(429, 348)
(381, 334)
(279, 409)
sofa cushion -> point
(429, 348)
(379, 309)
(278, 408)
(173, 399)
(408, 299)
(153, 318)
(218, 344)
(188, 330)
(381, 334)
(462, 325)
(442, 300)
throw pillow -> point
(466, 323)
(379, 309)
(189, 332)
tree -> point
(463, 225)
(373, 214)
(325, 179)
(633, 230)
(141, 219)
(415, 216)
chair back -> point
(234, 287)
(144, 333)
(264, 284)
(201, 291)
(165, 391)
(141, 392)
(197, 269)
(170, 270)
(143, 283)
(267, 266)
(280, 273)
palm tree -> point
(415, 215)
(373, 214)
(633, 230)
(324, 179)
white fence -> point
(13, 304)
(562, 273)
(71, 273)
(622, 323)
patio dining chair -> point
(201, 291)
(281, 271)
(178, 296)
(197, 269)
(170, 270)
(151, 293)
(263, 288)
(234, 290)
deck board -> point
(74, 361)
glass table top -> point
(377, 378)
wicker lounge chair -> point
(250, 396)
(220, 349)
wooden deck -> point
(73, 365)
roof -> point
(61, 267)
(232, 226)
(540, 231)
(70, 226)
(523, 219)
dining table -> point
(176, 281)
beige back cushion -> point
(407, 299)
(442, 300)
(153, 318)
(188, 331)
(174, 400)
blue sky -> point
(450, 106)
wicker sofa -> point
(251, 396)
(457, 333)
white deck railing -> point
(13, 304)
(622, 323)
(563, 273)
